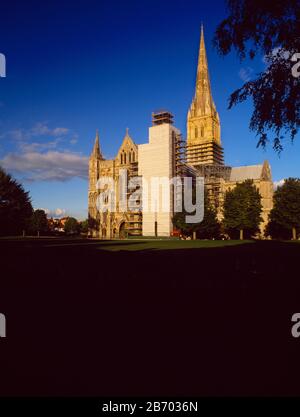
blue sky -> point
(73, 67)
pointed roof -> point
(127, 137)
(96, 149)
(127, 141)
(266, 171)
(252, 172)
(203, 97)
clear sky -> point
(76, 66)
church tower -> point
(94, 171)
(95, 158)
(203, 124)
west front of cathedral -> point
(168, 155)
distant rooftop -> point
(253, 172)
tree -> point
(271, 29)
(84, 226)
(71, 226)
(242, 210)
(179, 223)
(15, 206)
(284, 219)
(209, 228)
(39, 222)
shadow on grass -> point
(169, 245)
(203, 321)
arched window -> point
(133, 157)
(124, 158)
(121, 158)
(129, 156)
(196, 132)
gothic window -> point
(196, 132)
(133, 157)
(124, 158)
(121, 158)
(129, 154)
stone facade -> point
(119, 223)
(203, 153)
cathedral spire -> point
(96, 150)
(203, 97)
(203, 124)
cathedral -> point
(168, 155)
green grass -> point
(151, 238)
(166, 244)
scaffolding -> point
(205, 153)
(179, 154)
(133, 224)
(214, 176)
(214, 171)
(162, 116)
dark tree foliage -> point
(269, 28)
(39, 222)
(15, 206)
(284, 219)
(209, 228)
(277, 231)
(242, 210)
(84, 226)
(72, 226)
(179, 223)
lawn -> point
(141, 317)
(166, 244)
